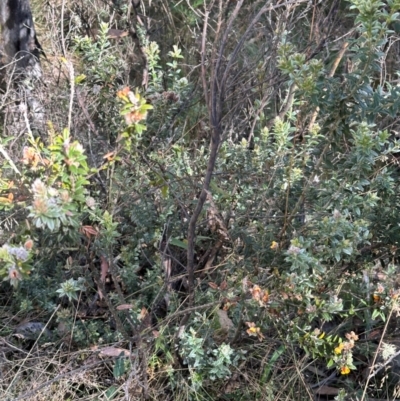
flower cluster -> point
(259, 295)
(50, 207)
(343, 353)
(135, 109)
(15, 261)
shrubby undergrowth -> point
(225, 215)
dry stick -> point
(194, 308)
(203, 57)
(214, 116)
(72, 91)
(312, 22)
(215, 140)
(136, 331)
(233, 56)
(86, 113)
(7, 157)
(69, 66)
(62, 29)
(302, 196)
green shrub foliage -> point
(295, 244)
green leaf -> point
(119, 367)
(164, 191)
(271, 363)
(111, 392)
(80, 78)
(177, 242)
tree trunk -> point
(19, 36)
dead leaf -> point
(104, 268)
(223, 286)
(224, 320)
(89, 231)
(114, 352)
(213, 286)
(143, 313)
(124, 307)
(110, 156)
(374, 334)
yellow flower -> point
(274, 245)
(254, 331)
(344, 370)
(338, 350)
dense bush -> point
(221, 210)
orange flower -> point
(28, 244)
(256, 292)
(123, 93)
(344, 370)
(29, 156)
(262, 296)
(377, 299)
(135, 116)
